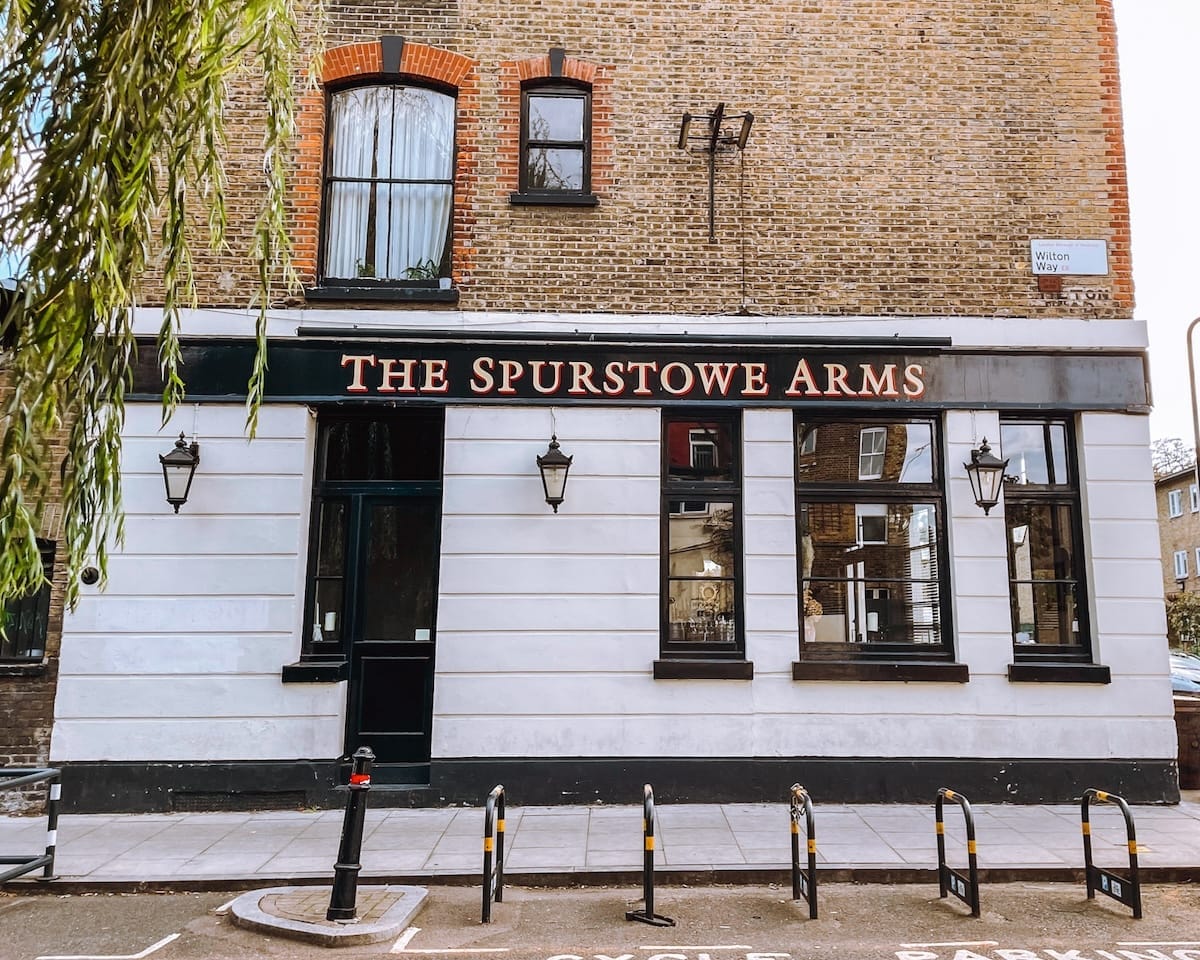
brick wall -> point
(27, 690)
(902, 157)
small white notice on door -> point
(421, 636)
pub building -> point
(615, 439)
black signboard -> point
(312, 370)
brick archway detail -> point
(364, 61)
(513, 73)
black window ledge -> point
(316, 671)
(1058, 673)
(703, 669)
(34, 668)
(324, 294)
(554, 199)
(905, 670)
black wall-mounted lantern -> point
(554, 466)
(178, 467)
(707, 133)
(986, 473)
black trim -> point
(314, 671)
(1059, 673)
(124, 787)
(938, 671)
(931, 345)
(684, 669)
(553, 199)
(382, 294)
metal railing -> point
(949, 880)
(21, 865)
(647, 914)
(1126, 890)
(493, 844)
(804, 882)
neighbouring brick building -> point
(29, 658)
(769, 344)
(1179, 531)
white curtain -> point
(389, 133)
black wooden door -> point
(392, 639)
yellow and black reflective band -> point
(649, 843)
(499, 826)
(1101, 795)
(941, 827)
(971, 846)
(949, 794)
(1087, 829)
(487, 845)
(1133, 846)
(812, 845)
(795, 827)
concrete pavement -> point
(596, 844)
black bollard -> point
(345, 871)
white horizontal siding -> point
(179, 657)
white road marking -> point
(464, 950)
(1158, 943)
(721, 946)
(224, 908)
(964, 943)
(124, 956)
(404, 939)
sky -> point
(1158, 42)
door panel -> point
(393, 631)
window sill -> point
(553, 199)
(316, 671)
(35, 668)
(327, 294)
(703, 669)
(943, 672)
(1058, 673)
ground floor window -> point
(1047, 596)
(701, 554)
(26, 621)
(870, 539)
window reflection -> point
(853, 452)
(700, 451)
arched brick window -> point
(388, 150)
(555, 130)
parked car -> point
(1185, 673)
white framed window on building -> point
(1181, 564)
(1194, 492)
(1198, 558)
(1175, 503)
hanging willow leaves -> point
(111, 132)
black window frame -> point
(322, 660)
(566, 89)
(685, 659)
(430, 289)
(27, 618)
(873, 661)
(1056, 494)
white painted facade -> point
(548, 624)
